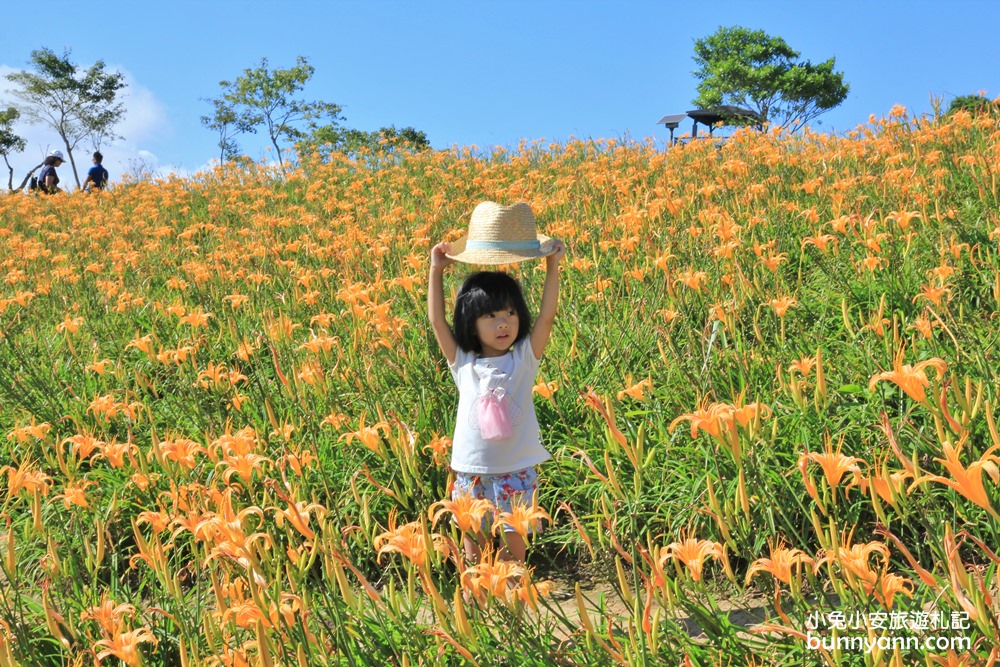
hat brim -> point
(459, 252)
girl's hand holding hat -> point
(439, 255)
(558, 251)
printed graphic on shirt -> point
(494, 412)
(514, 413)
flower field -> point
(224, 420)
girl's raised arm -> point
(435, 301)
(550, 299)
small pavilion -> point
(710, 117)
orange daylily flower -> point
(28, 478)
(159, 520)
(804, 366)
(242, 442)
(115, 452)
(720, 420)
(33, 430)
(821, 241)
(410, 541)
(911, 379)
(968, 481)
(493, 577)
(888, 485)
(780, 564)
(545, 389)
(781, 304)
(76, 494)
(888, 586)
(298, 515)
(243, 465)
(369, 436)
(245, 614)
(524, 519)
(196, 319)
(834, 465)
(181, 451)
(70, 324)
(746, 415)
(871, 263)
(224, 531)
(467, 512)
(952, 659)
(669, 315)
(125, 646)
(637, 391)
(710, 418)
(297, 461)
(772, 262)
(942, 272)
(219, 375)
(317, 344)
(334, 420)
(439, 447)
(692, 553)
(936, 294)
(236, 300)
(99, 367)
(693, 279)
(923, 325)
(142, 343)
(108, 615)
(245, 350)
(854, 559)
(903, 218)
(528, 593)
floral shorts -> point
(502, 490)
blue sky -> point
(485, 73)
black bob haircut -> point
(487, 292)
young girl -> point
(493, 352)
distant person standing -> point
(97, 177)
(48, 179)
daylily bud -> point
(847, 318)
(820, 397)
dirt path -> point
(602, 601)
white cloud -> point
(145, 116)
(145, 119)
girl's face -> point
(497, 331)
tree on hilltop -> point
(9, 142)
(266, 98)
(77, 103)
(328, 139)
(753, 70)
(974, 104)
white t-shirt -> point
(514, 373)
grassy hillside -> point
(226, 421)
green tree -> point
(974, 104)
(9, 142)
(266, 98)
(327, 139)
(77, 103)
(226, 123)
(753, 70)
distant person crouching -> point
(48, 179)
(97, 177)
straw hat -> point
(501, 235)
